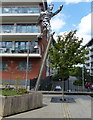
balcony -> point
(20, 13)
(20, 31)
(21, 51)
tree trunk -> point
(63, 89)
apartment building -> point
(19, 41)
(89, 62)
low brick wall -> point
(15, 104)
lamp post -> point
(83, 77)
(44, 19)
(27, 65)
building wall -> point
(12, 72)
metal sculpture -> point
(44, 19)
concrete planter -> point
(15, 104)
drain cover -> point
(60, 100)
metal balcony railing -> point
(21, 49)
(20, 9)
(19, 29)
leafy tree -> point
(76, 71)
(66, 53)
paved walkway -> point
(81, 108)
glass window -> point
(22, 66)
(7, 28)
(9, 44)
(3, 66)
(18, 29)
(17, 46)
(29, 29)
(0, 28)
(0, 44)
(19, 9)
(35, 10)
(22, 46)
(6, 10)
(4, 44)
(30, 10)
(23, 29)
(23, 9)
(14, 10)
(0, 9)
(35, 29)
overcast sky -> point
(76, 15)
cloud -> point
(84, 28)
(69, 1)
(57, 22)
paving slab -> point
(81, 108)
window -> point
(6, 44)
(8, 28)
(20, 9)
(6, 10)
(3, 66)
(22, 66)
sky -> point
(75, 15)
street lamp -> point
(27, 65)
(83, 77)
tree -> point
(76, 71)
(66, 53)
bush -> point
(22, 91)
(77, 83)
(8, 88)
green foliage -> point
(66, 53)
(22, 91)
(77, 83)
(8, 92)
(76, 71)
(12, 92)
(5, 84)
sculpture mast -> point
(44, 19)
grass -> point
(8, 92)
(12, 92)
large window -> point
(22, 66)
(20, 9)
(19, 28)
(5, 44)
(3, 66)
(27, 28)
(25, 45)
(7, 28)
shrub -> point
(22, 91)
(77, 83)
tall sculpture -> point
(44, 19)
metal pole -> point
(83, 77)
(43, 62)
(27, 67)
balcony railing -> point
(33, 49)
(19, 29)
(20, 9)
